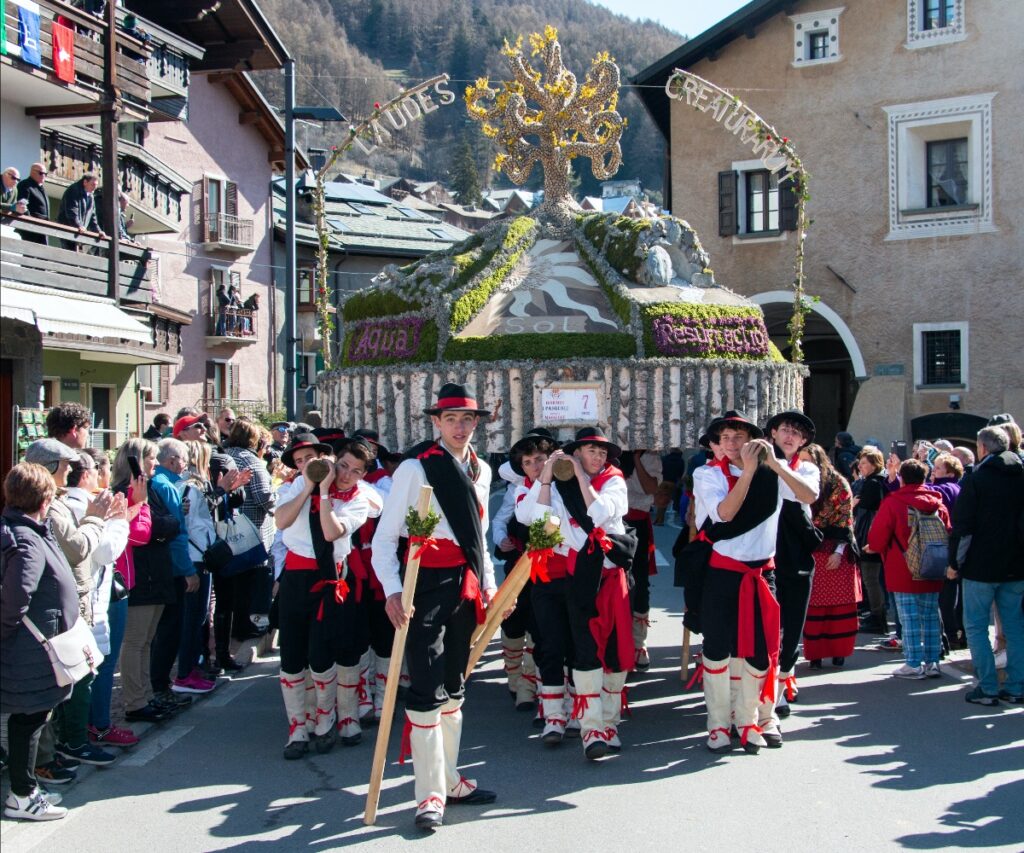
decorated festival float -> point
(559, 318)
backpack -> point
(927, 553)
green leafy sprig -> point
(539, 539)
(421, 527)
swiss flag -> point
(64, 52)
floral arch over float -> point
(560, 318)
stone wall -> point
(651, 403)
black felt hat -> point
(305, 439)
(732, 418)
(593, 435)
(535, 434)
(455, 398)
(372, 437)
(793, 416)
(330, 435)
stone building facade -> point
(906, 114)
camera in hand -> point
(318, 470)
(900, 451)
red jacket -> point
(890, 533)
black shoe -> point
(352, 740)
(596, 749)
(147, 714)
(429, 821)
(296, 749)
(734, 734)
(773, 740)
(170, 699)
(325, 743)
(816, 663)
(528, 705)
(476, 797)
(782, 710)
(838, 661)
(754, 748)
(228, 664)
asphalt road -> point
(869, 763)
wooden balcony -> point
(40, 90)
(227, 233)
(157, 193)
(239, 326)
(68, 260)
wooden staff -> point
(684, 666)
(507, 593)
(380, 751)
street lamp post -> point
(291, 113)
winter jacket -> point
(140, 528)
(989, 511)
(153, 569)
(259, 492)
(78, 208)
(78, 542)
(890, 534)
(111, 546)
(163, 485)
(36, 581)
(949, 488)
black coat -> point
(35, 195)
(37, 581)
(154, 572)
(989, 510)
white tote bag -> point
(73, 654)
(245, 542)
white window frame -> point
(965, 366)
(826, 20)
(918, 36)
(744, 237)
(911, 127)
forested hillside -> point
(351, 53)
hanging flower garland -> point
(325, 317)
(739, 118)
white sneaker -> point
(931, 670)
(908, 671)
(33, 807)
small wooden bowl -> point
(318, 470)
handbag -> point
(73, 654)
(245, 543)
(216, 555)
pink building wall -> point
(214, 143)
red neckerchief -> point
(335, 495)
(604, 475)
(723, 466)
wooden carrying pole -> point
(387, 712)
(684, 661)
(506, 595)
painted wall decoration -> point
(551, 290)
(397, 338)
(710, 337)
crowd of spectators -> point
(126, 546)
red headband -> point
(456, 403)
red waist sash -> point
(754, 585)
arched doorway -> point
(830, 351)
(961, 428)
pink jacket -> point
(139, 530)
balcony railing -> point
(90, 35)
(225, 231)
(53, 255)
(233, 325)
(155, 189)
